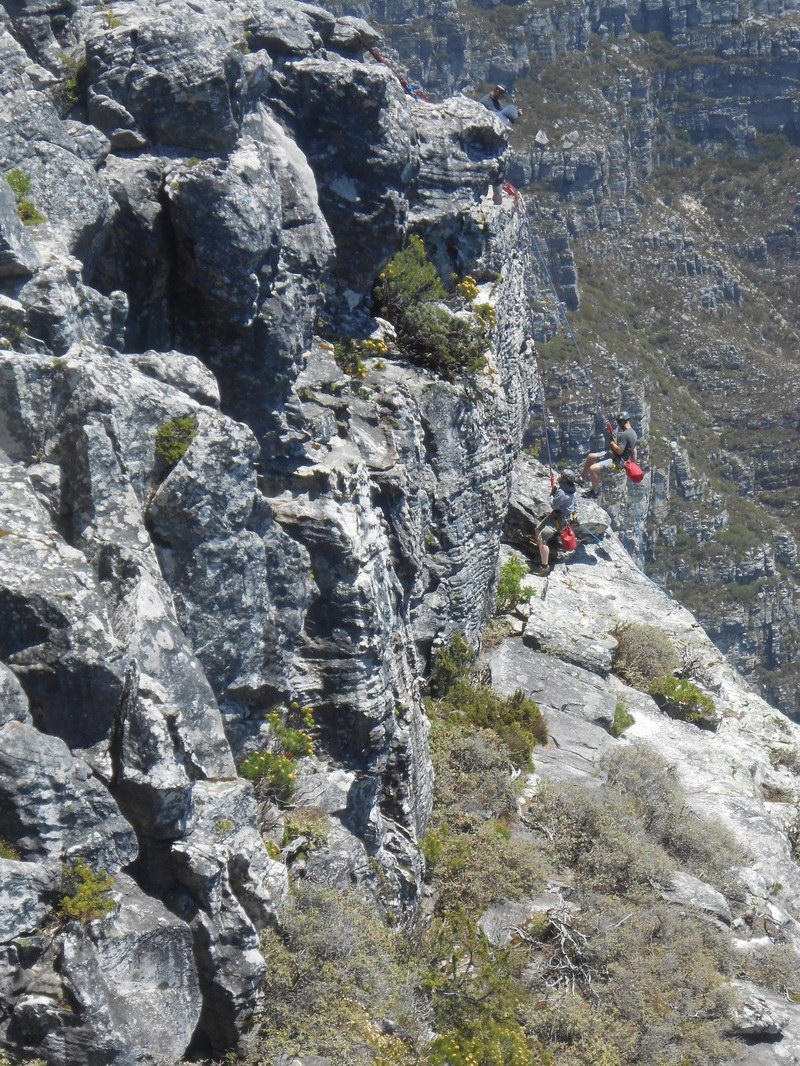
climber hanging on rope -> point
(495, 102)
(621, 449)
(561, 514)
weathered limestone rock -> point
(688, 891)
(51, 806)
(123, 988)
(17, 254)
(13, 701)
(132, 75)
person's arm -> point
(617, 449)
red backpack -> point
(569, 542)
(634, 472)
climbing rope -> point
(584, 360)
(412, 90)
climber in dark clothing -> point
(495, 103)
(621, 448)
(563, 507)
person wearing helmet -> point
(621, 448)
(496, 103)
(562, 509)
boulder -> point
(13, 701)
(696, 895)
(175, 81)
(51, 806)
(18, 256)
(121, 989)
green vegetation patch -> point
(411, 296)
(174, 437)
(87, 892)
(20, 184)
(335, 974)
(623, 719)
(8, 850)
(510, 591)
(681, 698)
(465, 702)
(643, 654)
(273, 769)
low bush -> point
(775, 966)
(658, 993)
(599, 839)
(87, 892)
(174, 437)
(510, 591)
(337, 984)
(481, 865)
(652, 792)
(463, 701)
(474, 774)
(454, 662)
(517, 720)
(350, 357)
(21, 186)
(682, 699)
(643, 654)
(8, 851)
(623, 719)
(309, 824)
(410, 294)
(73, 87)
(477, 995)
(273, 770)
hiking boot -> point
(592, 494)
(543, 571)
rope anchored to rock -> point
(407, 86)
(633, 471)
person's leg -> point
(544, 532)
(594, 471)
(592, 457)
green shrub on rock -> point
(681, 698)
(87, 892)
(510, 590)
(410, 294)
(463, 701)
(643, 654)
(174, 437)
(273, 769)
(651, 790)
(335, 976)
(8, 851)
(454, 662)
(623, 719)
(21, 186)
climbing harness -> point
(408, 88)
(632, 469)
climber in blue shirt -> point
(562, 510)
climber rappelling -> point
(621, 451)
(562, 513)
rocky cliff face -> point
(205, 517)
(668, 196)
(206, 188)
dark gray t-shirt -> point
(628, 439)
(491, 104)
